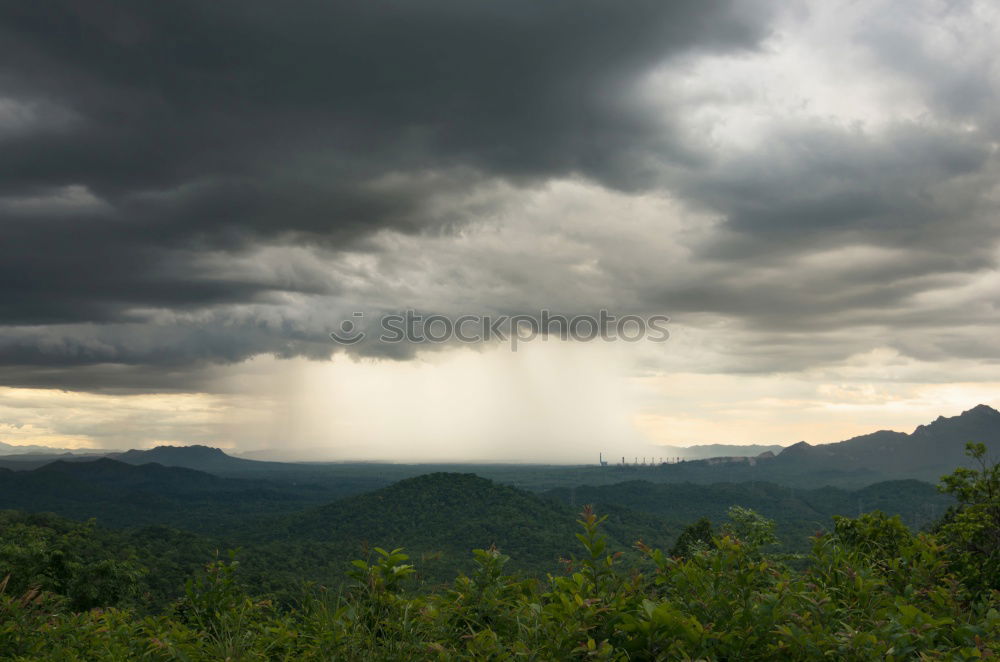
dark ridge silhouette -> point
(936, 448)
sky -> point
(194, 195)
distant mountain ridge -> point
(202, 458)
(927, 453)
(938, 446)
(31, 449)
(930, 451)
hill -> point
(124, 495)
(446, 515)
(293, 536)
(799, 513)
(154, 477)
(29, 461)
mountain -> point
(926, 454)
(202, 458)
(14, 449)
(929, 451)
(446, 515)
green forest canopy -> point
(869, 589)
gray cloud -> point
(191, 127)
(191, 184)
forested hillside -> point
(799, 513)
(123, 495)
(869, 589)
(440, 517)
(291, 532)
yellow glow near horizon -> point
(549, 402)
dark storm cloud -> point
(195, 126)
(169, 94)
(921, 194)
(109, 378)
(156, 159)
(814, 185)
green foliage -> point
(386, 574)
(869, 589)
(65, 561)
(750, 530)
(798, 513)
(972, 528)
(697, 537)
(872, 590)
(439, 517)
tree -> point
(972, 528)
(693, 539)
